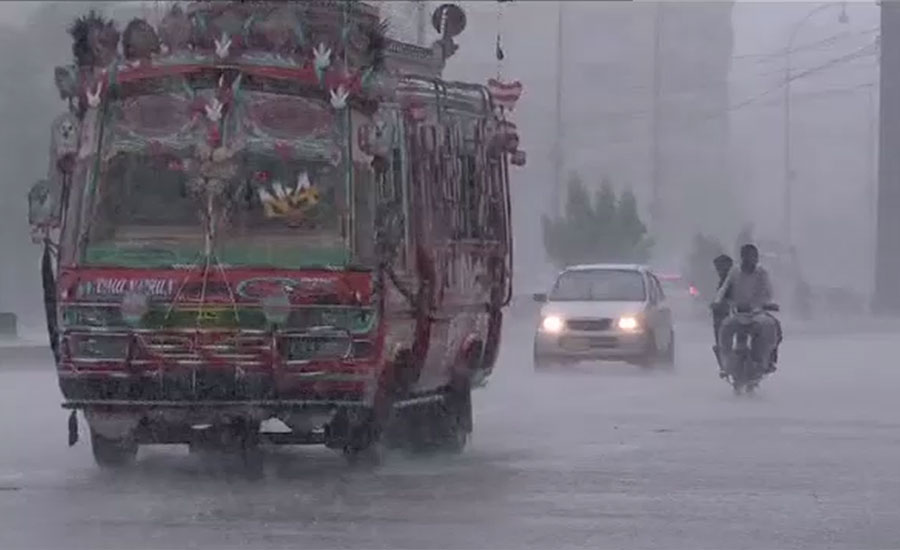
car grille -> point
(589, 325)
(589, 342)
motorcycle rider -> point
(750, 287)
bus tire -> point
(441, 426)
(113, 453)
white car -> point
(605, 312)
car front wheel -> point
(668, 359)
(650, 357)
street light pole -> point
(421, 21)
(872, 176)
(558, 147)
(788, 77)
(656, 204)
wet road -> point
(604, 458)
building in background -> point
(647, 107)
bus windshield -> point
(272, 207)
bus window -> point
(391, 210)
(472, 189)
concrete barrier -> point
(9, 325)
(25, 355)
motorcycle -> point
(742, 372)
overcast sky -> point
(15, 12)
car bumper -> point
(578, 346)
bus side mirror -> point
(44, 205)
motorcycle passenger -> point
(751, 289)
(723, 264)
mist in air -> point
(656, 133)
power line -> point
(801, 96)
(803, 74)
(858, 54)
(642, 87)
(806, 47)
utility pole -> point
(871, 175)
(421, 21)
(789, 175)
(558, 149)
(656, 213)
(887, 262)
(787, 190)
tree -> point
(605, 229)
(632, 231)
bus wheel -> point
(442, 426)
(358, 436)
(457, 419)
(113, 453)
(369, 456)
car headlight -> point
(629, 323)
(552, 323)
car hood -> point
(591, 310)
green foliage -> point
(605, 229)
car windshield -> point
(599, 285)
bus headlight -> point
(99, 347)
(629, 323)
(134, 307)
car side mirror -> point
(44, 205)
(540, 298)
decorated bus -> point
(260, 211)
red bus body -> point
(344, 352)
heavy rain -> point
(416, 274)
